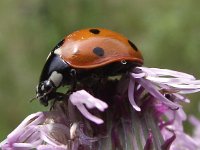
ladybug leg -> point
(57, 96)
(74, 78)
(52, 105)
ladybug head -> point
(52, 78)
(44, 91)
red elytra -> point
(96, 47)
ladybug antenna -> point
(38, 97)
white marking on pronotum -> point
(56, 78)
(58, 51)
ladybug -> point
(83, 54)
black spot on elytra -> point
(98, 51)
(94, 31)
(59, 44)
(133, 45)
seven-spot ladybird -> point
(93, 51)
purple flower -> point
(141, 110)
(81, 99)
(46, 130)
(196, 132)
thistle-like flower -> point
(141, 110)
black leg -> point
(74, 78)
(57, 97)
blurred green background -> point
(167, 32)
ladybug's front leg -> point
(74, 80)
(57, 96)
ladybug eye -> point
(47, 86)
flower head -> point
(46, 130)
(142, 110)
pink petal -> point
(79, 98)
(131, 95)
(166, 72)
(88, 115)
(83, 97)
(153, 91)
